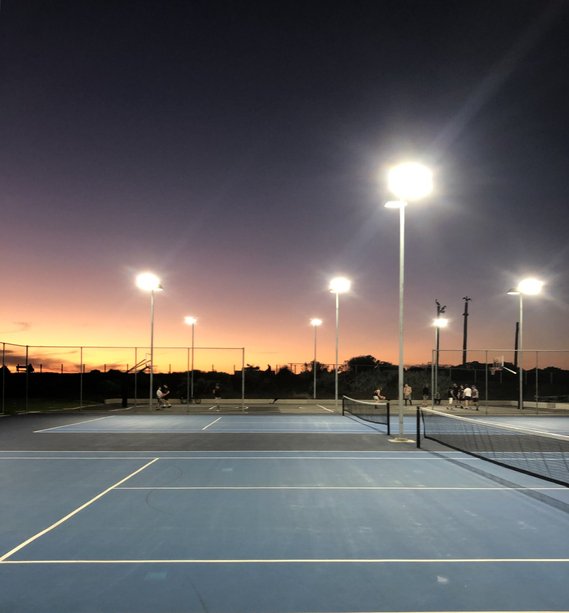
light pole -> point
(409, 182)
(315, 323)
(438, 323)
(527, 287)
(149, 282)
(191, 321)
(338, 285)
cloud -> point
(17, 326)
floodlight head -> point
(315, 322)
(513, 292)
(440, 322)
(410, 181)
(148, 282)
(190, 321)
(340, 285)
(395, 204)
(530, 286)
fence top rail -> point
(509, 350)
(118, 347)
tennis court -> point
(267, 513)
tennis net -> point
(536, 453)
(376, 412)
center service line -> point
(70, 515)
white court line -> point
(218, 457)
(435, 488)
(67, 459)
(285, 430)
(211, 424)
(226, 457)
(75, 512)
(309, 561)
(74, 424)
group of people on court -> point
(461, 396)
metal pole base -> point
(400, 439)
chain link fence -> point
(60, 377)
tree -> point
(365, 361)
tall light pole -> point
(315, 323)
(191, 321)
(149, 282)
(338, 285)
(438, 323)
(408, 182)
(526, 287)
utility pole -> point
(465, 333)
(516, 345)
(440, 311)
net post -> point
(418, 428)
(388, 418)
(343, 405)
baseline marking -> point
(339, 487)
(75, 512)
(310, 561)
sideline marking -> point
(75, 512)
(434, 488)
(310, 561)
(211, 424)
(77, 423)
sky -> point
(239, 151)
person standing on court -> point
(475, 397)
(460, 395)
(408, 394)
(452, 394)
(467, 396)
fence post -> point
(3, 378)
(27, 377)
(188, 399)
(135, 375)
(486, 379)
(536, 381)
(243, 379)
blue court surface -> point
(555, 425)
(275, 531)
(234, 424)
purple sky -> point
(239, 150)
